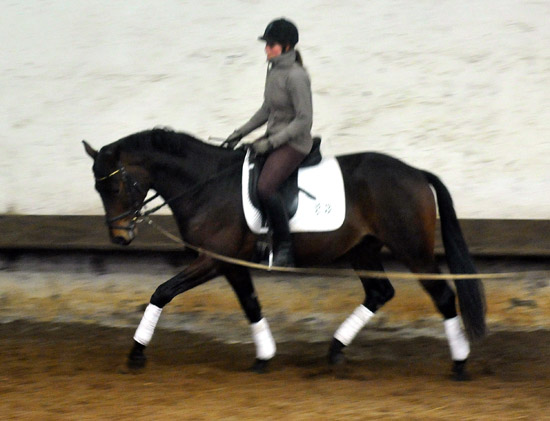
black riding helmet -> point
(282, 32)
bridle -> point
(133, 189)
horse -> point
(388, 204)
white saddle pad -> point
(324, 212)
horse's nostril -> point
(120, 240)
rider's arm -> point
(257, 120)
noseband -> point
(133, 190)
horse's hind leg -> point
(378, 291)
(444, 299)
(241, 282)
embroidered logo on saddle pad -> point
(321, 199)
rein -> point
(197, 186)
(133, 186)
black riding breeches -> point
(280, 164)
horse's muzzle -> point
(122, 235)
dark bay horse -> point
(388, 203)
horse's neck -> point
(202, 191)
(195, 174)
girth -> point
(289, 191)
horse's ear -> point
(89, 150)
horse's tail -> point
(470, 292)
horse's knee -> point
(378, 294)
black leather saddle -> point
(289, 191)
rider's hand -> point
(261, 146)
(232, 140)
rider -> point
(287, 110)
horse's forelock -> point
(106, 160)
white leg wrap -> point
(146, 327)
(263, 339)
(460, 347)
(353, 324)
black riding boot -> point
(277, 218)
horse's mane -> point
(165, 140)
(176, 152)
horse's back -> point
(375, 163)
(380, 171)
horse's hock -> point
(86, 279)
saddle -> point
(289, 191)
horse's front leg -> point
(239, 278)
(201, 270)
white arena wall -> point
(461, 88)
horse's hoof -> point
(335, 354)
(136, 359)
(259, 366)
(136, 364)
(337, 359)
(461, 377)
(459, 371)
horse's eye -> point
(112, 188)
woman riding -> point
(287, 110)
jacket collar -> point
(284, 60)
